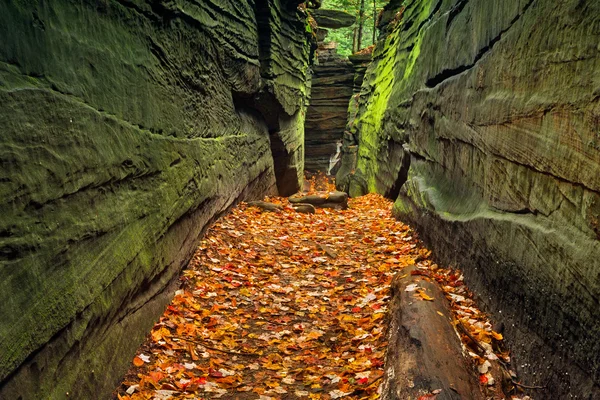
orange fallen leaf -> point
(274, 313)
(192, 352)
(156, 376)
(138, 362)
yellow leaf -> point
(160, 334)
(424, 296)
(497, 336)
(314, 335)
(272, 366)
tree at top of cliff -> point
(366, 12)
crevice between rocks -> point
(455, 11)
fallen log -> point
(425, 356)
(336, 200)
(266, 206)
(313, 199)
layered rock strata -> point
(127, 127)
(332, 85)
(334, 19)
(496, 108)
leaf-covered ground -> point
(287, 305)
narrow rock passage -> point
(280, 305)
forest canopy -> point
(347, 38)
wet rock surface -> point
(121, 143)
(496, 110)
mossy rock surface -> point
(495, 107)
(333, 19)
(127, 127)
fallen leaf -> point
(412, 287)
(138, 362)
(424, 295)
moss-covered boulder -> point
(496, 108)
(127, 127)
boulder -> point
(332, 19)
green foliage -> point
(344, 36)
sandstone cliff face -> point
(332, 85)
(127, 127)
(496, 107)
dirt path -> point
(280, 305)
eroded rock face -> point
(127, 127)
(333, 18)
(496, 107)
(332, 85)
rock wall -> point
(496, 108)
(332, 86)
(127, 127)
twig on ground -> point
(375, 380)
(466, 332)
(527, 386)
(502, 364)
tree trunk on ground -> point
(425, 351)
(361, 22)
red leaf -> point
(199, 381)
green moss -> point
(371, 118)
(416, 49)
(390, 75)
(120, 142)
